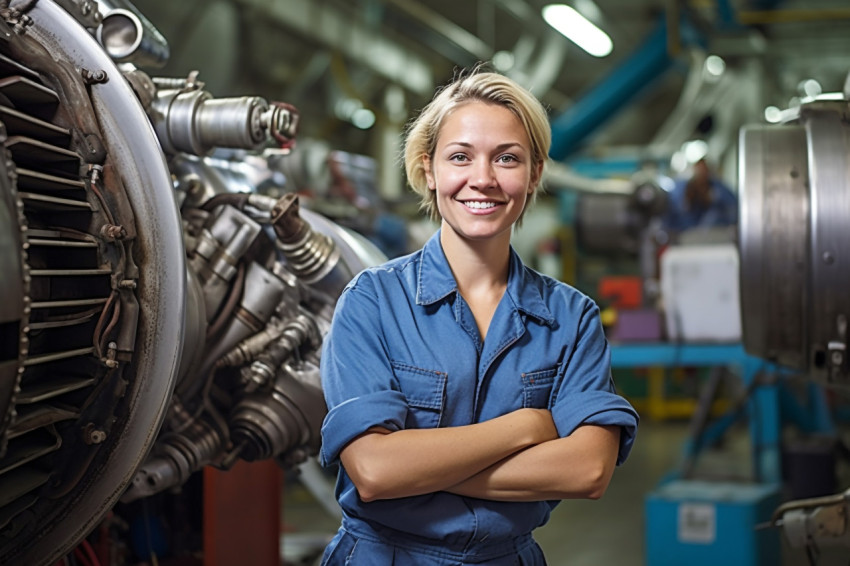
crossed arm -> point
(515, 457)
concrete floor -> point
(610, 531)
(579, 532)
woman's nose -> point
(483, 175)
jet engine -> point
(160, 312)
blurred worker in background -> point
(701, 201)
(467, 393)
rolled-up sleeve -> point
(585, 391)
(357, 379)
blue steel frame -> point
(763, 407)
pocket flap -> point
(422, 388)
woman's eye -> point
(507, 158)
(457, 157)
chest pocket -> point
(537, 388)
(425, 391)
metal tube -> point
(128, 37)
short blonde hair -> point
(473, 86)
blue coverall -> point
(404, 352)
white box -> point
(700, 292)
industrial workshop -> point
(424, 282)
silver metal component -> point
(281, 120)
(93, 435)
(298, 332)
(128, 37)
(219, 248)
(263, 292)
(247, 350)
(194, 122)
(312, 256)
(65, 335)
(84, 11)
(109, 337)
(290, 418)
(795, 257)
(820, 521)
(94, 77)
(177, 456)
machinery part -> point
(128, 37)
(177, 455)
(219, 248)
(90, 253)
(815, 522)
(296, 333)
(84, 11)
(189, 120)
(289, 426)
(122, 363)
(617, 222)
(795, 257)
(311, 255)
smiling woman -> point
(467, 393)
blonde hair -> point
(473, 86)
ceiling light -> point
(811, 88)
(503, 61)
(715, 65)
(695, 150)
(773, 114)
(588, 9)
(363, 118)
(578, 29)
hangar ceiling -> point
(388, 55)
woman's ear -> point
(536, 173)
(429, 175)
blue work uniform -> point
(683, 215)
(404, 352)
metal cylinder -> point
(794, 183)
(128, 37)
(194, 122)
(267, 426)
(774, 214)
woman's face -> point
(482, 170)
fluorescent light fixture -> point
(363, 118)
(578, 29)
(773, 114)
(714, 65)
(695, 150)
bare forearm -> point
(387, 465)
(579, 466)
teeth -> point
(478, 204)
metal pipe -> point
(128, 37)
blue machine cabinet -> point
(707, 523)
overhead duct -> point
(363, 45)
(623, 84)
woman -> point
(467, 394)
